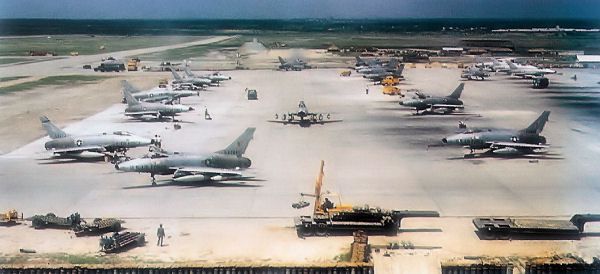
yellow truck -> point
(391, 90)
(390, 81)
(10, 217)
(132, 64)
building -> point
(589, 61)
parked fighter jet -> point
(362, 63)
(216, 77)
(297, 64)
(527, 71)
(221, 165)
(378, 75)
(503, 141)
(157, 94)
(431, 104)
(195, 82)
(139, 109)
(474, 74)
(303, 117)
(66, 145)
(392, 65)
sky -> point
(292, 9)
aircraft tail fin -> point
(128, 86)
(176, 75)
(53, 131)
(511, 65)
(188, 72)
(458, 91)
(400, 70)
(281, 60)
(393, 63)
(359, 60)
(131, 101)
(239, 145)
(538, 125)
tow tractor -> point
(331, 219)
(10, 218)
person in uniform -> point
(327, 204)
(160, 233)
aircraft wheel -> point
(306, 232)
(321, 230)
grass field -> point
(65, 44)
(6, 79)
(62, 80)
(4, 61)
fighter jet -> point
(65, 145)
(139, 109)
(157, 94)
(380, 74)
(392, 65)
(503, 141)
(527, 71)
(361, 63)
(195, 82)
(447, 104)
(221, 165)
(303, 117)
(296, 65)
(473, 73)
(216, 77)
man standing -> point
(161, 235)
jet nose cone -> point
(190, 108)
(229, 78)
(444, 140)
(401, 103)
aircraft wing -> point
(447, 106)
(142, 113)
(496, 145)
(79, 149)
(189, 174)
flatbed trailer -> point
(50, 220)
(98, 226)
(121, 241)
(372, 221)
(504, 228)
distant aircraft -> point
(195, 82)
(503, 141)
(527, 71)
(296, 65)
(390, 66)
(221, 165)
(474, 74)
(215, 78)
(64, 144)
(380, 74)
(157, 94)
(431, 104)
(303, 117)
(137, 109)
(362, 63)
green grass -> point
(85, 45)
(6, 79)
(4, 61)
(80, 259)
(62, 80)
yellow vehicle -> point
(345, 73)
(391, 90)
(390, 81)
(163, 83)
(10, 217)
(132, 64)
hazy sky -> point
(284, 9)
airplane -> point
(361, 63)
(474, 74)
(220, 165)
(503, 141)
(137, 109)
(216, 77)
(390, 66)
(448, 103)
(527, 71)
(378, 75)
(303, 117)
(65, 145)
(296, 65)
(156, 94)
(196, 82)
(500, 66)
